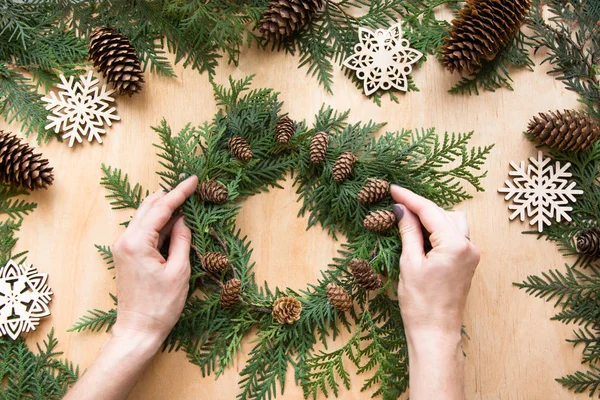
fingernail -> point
(396, 186)
(398, 211)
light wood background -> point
(515, 351)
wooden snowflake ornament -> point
(81, 109)
(24, 298)
(382, 59)
(540, 191)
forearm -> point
(436, 366)
(118, 367)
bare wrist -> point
(135, 343)
(424, 342)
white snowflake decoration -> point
(382, 59)
(81, 109)
(540, 191)
(24, 298)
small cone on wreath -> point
(283, 18)
(239, 148)
(318, 147)
(364, 275)
(379, 221)
(284, 130)
(339, 297)
(588, 243)
(212, 192)
(20, 166)
(482, 28)
(342, 169)
(230, 293)
(565, 131)
(214, 262)
(286, 310)
(114, 56)
(373, 191)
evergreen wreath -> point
(225, 303)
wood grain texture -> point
(515, 351)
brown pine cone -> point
(286, 310)
(339, 297)
(230, 294)
(114, 56)
(284, 130)
(373, 191)
(566, 131)
(283, 18)
(214, 262)
(588, 243)
(20, 166)
(364, 275)
(318, 147)
(239, 148)
(343, 166)
(482, 28)
(212, 192)
(379, 221)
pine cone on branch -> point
(364, 275)
(373, 191)
(342, 169)
(318, 147)
(482, 29)
(214, 262)
(379, 221)
(230, 293)
(339, 297)
(20, 166)
(284, 130)
(565, 131)
(283, 18)
(114, 56)
(239, 148)
(588, 243)
(212, 192)
(286, 310)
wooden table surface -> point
(515, 351)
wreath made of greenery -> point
(356, 293)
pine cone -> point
(239, 148)
(482, 28)
(364, 275)
(20, 166)
(214, 262)
(318, 147)
(115, 57)
(343, 166)
(338, 296)
(373, 191)
(286, 310)
(284, 130)
(379, 221)
(588, 243)
(566, 131)
(213, 192)
(230, 294)
(283, 18)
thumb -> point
(179, 248)
(411, 234)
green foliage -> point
(212, 335)
(14, 208)
(581, 382)
(27, 375)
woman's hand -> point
(151, 293)
(151, 290)
(433, 292)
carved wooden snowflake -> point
(540, 191)
(24, 298)
(81, 109)
(382, 59)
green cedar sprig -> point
(212, 335)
